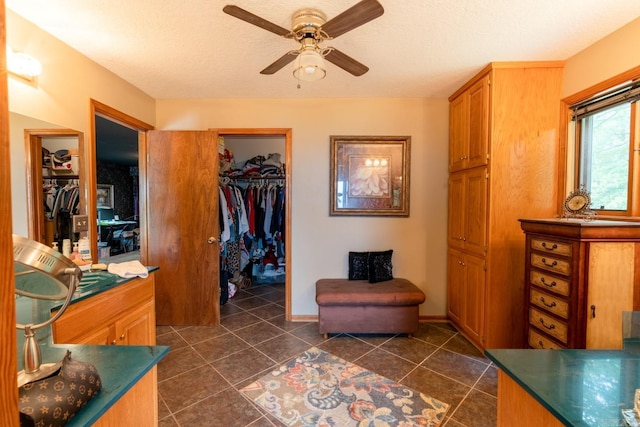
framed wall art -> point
(104, 196)
(370, 175)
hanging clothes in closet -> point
(252, 223)
(61, 202)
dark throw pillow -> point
(358, 265)
(380, 268)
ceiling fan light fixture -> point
(310, 66)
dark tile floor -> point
(198, 381)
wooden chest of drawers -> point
(579, 278)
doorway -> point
(117, 174)
(55, 173)
(247, 140)
(119, 123)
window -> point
(605, 148)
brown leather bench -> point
(357, 306)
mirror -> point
(48, 186)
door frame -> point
(286, 133)
(109, 113)
(33, 159)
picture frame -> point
(104, 196)
(370, 175)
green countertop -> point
(33, 311)
(579, 387)
(120, 367)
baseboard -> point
(435, 319)
(304, 318)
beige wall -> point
(608, 57)
(320, 243)
(59, 99)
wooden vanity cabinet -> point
(503, 165)
(580, 276)
(123, 315)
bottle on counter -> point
(84, 247)
(54, 246)
(75, 254)
(66, 248)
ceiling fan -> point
(309, 27)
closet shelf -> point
(65, 176)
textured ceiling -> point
(417, 48)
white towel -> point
(128, 269)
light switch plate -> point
(80, 223)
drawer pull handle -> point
(553, 303)
(553, 264)
(551, 285)
(541, 344)
(550, 248)
(593, 311)
(551, 326)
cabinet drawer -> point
(550, 283)
(548, 324)
(551, 246)
(551, 263)
(550, 303)
(537, 340)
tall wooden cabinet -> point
(503, 164)
(580, 276)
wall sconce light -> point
(23, 65)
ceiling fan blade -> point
(346, 62)
(249, 17)
(279, 63)
(359, 14)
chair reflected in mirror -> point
(120, 235)
(127, 237)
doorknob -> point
(211, 240)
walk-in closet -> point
(60, 188)
(252, 212)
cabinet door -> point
(475, 211)
(466, 293)
(458, 132)
(137, 327)
(455, 289)
(478, 139)
(611, 274)
(468, 210)
(474, 295)
(456, 228)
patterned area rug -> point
(320, 389)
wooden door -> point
(8, 355)
(458, 132)
(455, 290)
(457, 210)
(475, 211)
(182, 194)
(478, 147)
(474, 297)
